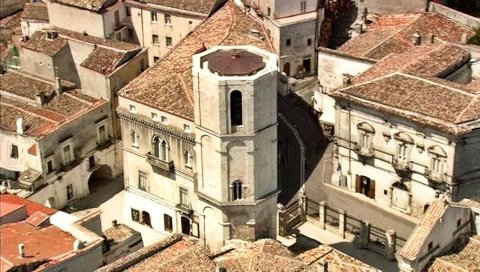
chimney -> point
(20, 126)
(40, 98)
(52, 35)
(21, 250)
(358, 28)
(417, 39)
(464, 38)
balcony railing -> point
(365, 152)
(435, 176)
(401, 165)
(159, 163)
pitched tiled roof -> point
(168, 85)
(336, 260)
(38, 42)
(465, 260)
(110, 43)
(103, 60)
(393, 34)
(260, 255)
(32, 207)
(39, 120)
(417, 239)
(435, 60)
(201, 6)
(93, 5)
(35, 11)
(427, 101)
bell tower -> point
(235, 98)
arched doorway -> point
(185, 225)
(99, 177)
(286, 68)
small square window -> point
(164, 119)
(133, 108)
(169, 41)
(309, 42)
(288, 42)
(14, 152)
(186, 127)
(155, 59)
(168, 19)
(135, 215)
(154, 116)
(190, 22)
(385, 192)
(154, 39)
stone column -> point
(322, 212)
(364, 237)
(391, 243)
(342, 221)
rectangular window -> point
(67, 154)
(186, 128)
(402, 152)
(128, 11)
(168, 223)
(117, 18)
(154, 39)
(288, 42)
(168, 19)
(269, 11)
(169, 41)
(133, 108)
(69, 192)
(14, 152)
(155, 59)
(154, 116)
(184, 200)
(153, 16)
(101, 134)
(142, 181)
(303, 6)
(164, 119)
(309, 42)
(435, 164)
(50, 167)
(135, 215)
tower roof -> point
(234, 63)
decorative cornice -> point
(140, 120)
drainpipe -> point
(350, 142)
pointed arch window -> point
(160, 148)
(236, 114)
(237, 190)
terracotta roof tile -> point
(201, 6)
(38, 42)
(39, 119)
(337, 261)
(35, 11)
(426, 101)
(93, 5)
(109, 43)
(103, 60)
(34, 240)
(418, 238)
(168, 85)
(393, 34)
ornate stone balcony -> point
(435, 176)
(159, 163)
(402, 165)
(365, 152)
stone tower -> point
(235, 97)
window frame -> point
(14, 153)
(142, 181)
(71, 157)
(168, 41)
(184, 197)
(70, 192)
(99, 126)
(50, 160)
(187, 159)
(134, 138)
(153, 17)
(237, 190)
(167, 227)
(168, 19)
(155, 39)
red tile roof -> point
(32, 207)
(7, 208)
(201, 6)
(393, 33)
(40, 244)
(168, 85)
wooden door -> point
(371, 189)
(358, 184)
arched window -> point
(134, 138)
(187, 159)
(237, 190)
(236, 108)
(160, 148)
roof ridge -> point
(78, 98)
(465, 109)
(438, 84)
(36, 115)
